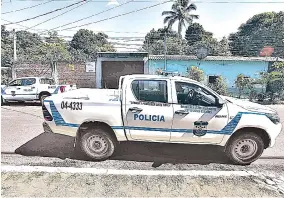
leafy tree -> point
(6, 48)
(224, 48)
(265, 29)
(195, 73)
(180, 12)
(197, 37)
(220, 86)
(85, 44)
(275, 80)
(196, 33)
(154, 42)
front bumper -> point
(274, 133)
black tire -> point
(3, 102)
(42, 97)
(244, 148)
(97, 144)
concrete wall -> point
(228, 69)
(66, 73)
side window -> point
(17, 82)
(150, 90)
(48, 81)
(28, 81)
(193, 94)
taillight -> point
(62, 89)
(46, 113)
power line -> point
(58, 15)
(13, 11)
(138, 10)
(90, 16)
(58, 9)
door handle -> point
(181, 112)
(135, 109)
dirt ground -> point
(40, 184)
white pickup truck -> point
(161, 109)
(30, 89)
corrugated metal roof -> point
(215, 58)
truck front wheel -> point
(97, 144)
(245, 148)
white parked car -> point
(161, 109)
(31, 88)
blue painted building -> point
(229, 67)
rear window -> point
(48, 81)
(150, 90)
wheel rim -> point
(245, 149)
(97, 145)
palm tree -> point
(180, 12)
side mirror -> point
(220, 102)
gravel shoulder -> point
(41, 184)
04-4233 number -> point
(71, 105)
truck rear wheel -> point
(97, 144)
(245, 148)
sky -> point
(217, 16)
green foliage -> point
(243, 82)
(197, 37)
(275, 81)
(155, 44)
(195, 73)
(180, 12)
(6, 48)
(196, 33)
(265, 29)
(85, 44)
(220, 86)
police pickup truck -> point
(157, 108)
(30, 89)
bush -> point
(220, 86)
(195, 73)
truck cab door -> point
(147, 109)
(198, 118)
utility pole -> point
(165, 50)
(15, 55)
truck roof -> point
(161, 77)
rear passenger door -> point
(148, 110)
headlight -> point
(274, 118)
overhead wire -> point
(90, 16)
(47, 13)
(116, 16)
(13, 11)
(83, 3)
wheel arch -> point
(44, 92)
(94, 124)
(261, 132)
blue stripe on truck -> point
(227, 130)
